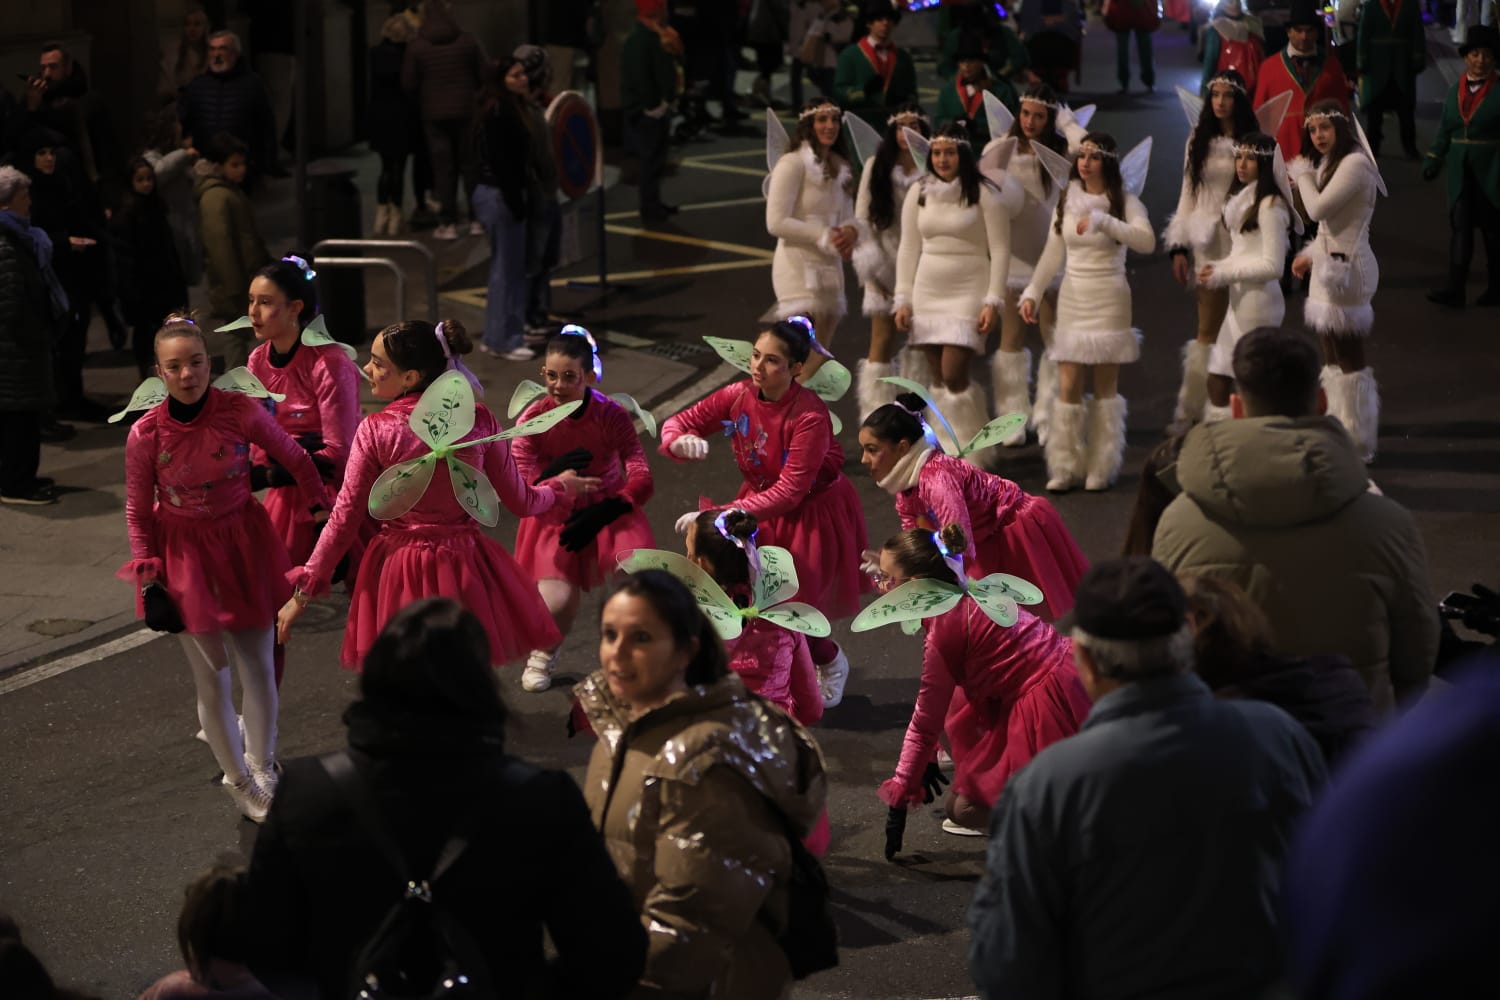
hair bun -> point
(955, 539)
(911, 402)
(741, 524)
(456, 336)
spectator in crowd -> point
(650, 85)
(1278, 500)
(875, 77)
(444, 67)
(212, 936)
(1392, 52)
(188, 59)
(1053, 31)
(173, 157)
(502, 202)
(1237, 659)
(151, 280)
(427, 745)
(32, 305)
(57, 99)
(1142, 856)
(1154, 493)
(230, 98)
(392, 122)
(544, 222)
(232, 246)
(567, 30)
(686, 756)
(765, 33)
(1140, 18)
(818, 30)
(22, 975)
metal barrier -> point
(429, 269)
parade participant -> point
(1006, 529)
(1140, 18)
(205, 557)
(430, 545)
(1018, 690)
(1337, 182)
(875, 77)
(1053, 30)
(1391, 54)
(574, 548)
(1468, 144)
(962, 100)
(1258, 216)
(1302, 70)
(1001, 49)
(883, 185)
(1099, 217)
(810, 211)
(794, 484)
(697, 787)
(1235, 40)
(951, 270)
(1194, 235)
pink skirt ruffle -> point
(825, 536)
(539, 552)
(1036, 546)
(299, 533)
(401, 566)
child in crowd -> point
(232, 245)
(209, 933)
(152, 283)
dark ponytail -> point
(897, 421)
(413, 345)
(727, 562)
(917, 555)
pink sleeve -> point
(525, 450)
(701, 419)
(941, 488)
(140, 502)
(337, 382)
(349, 512)
(927, 717)
(518, 495)
(639, 486)
(808, 438)
(807, 698)
(261, 428)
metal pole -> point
(299, 112)
(603, 251)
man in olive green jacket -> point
(1279, 501)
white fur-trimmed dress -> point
(874, 256)
(1093, 304)
(953, 260)
(1251, 272)
(802, 206)
(1196, 225)
(1029, 227)
(1338, 299)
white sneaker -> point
(249, 797)
(476, 228)
(961, 831)
(538, 673)
(831, 679)
(522, 353)
(268, 776)
(447, 231)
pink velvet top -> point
(201, 470)
(777, 665)
(384, 439)
(785, 449)
(605, 428)
(321, 386)
(952, 491)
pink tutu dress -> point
(321, 386)
(1017, 692)
(1009, 530)
(192, 521)
(794, 484)
(434, 549)
(603, 427)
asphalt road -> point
(109, 805)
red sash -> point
(1392, 8)
(971, 105)
(1469, 103)
(885, 66)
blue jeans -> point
(505, 305)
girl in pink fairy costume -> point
(1006, 529)
(574, 547)
(204, 555)
(1000, 681)
(794, 482)
(430, 545)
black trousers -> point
(1473, 210)
(20, 451)
(649, 136)
(1404, 104)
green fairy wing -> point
(527, 392)
(316, 335)
(475, 493)
(831, 381)
(445, 413)
(243, 323)
(539, 424)
(912, 601)
(727, 619)
(994, 432)
(921, 390)
(995, 603)
(398, 488)
(243, 381)
(734, 352)
(911, 626)
(778, 577)
(148, 394)
(631, 406)
(798, 617)
(1019, 590)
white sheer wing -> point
(1192, 105)
(1133, 167)
(997, 115)
(862, 136)
(1364, 143)
(777, 143)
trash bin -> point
(333, 212)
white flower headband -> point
(826, 106)
(901, 117)
(1228, 80)
(1265, 154)
(939, 140)
(1094, 147)
(1037, 100)
(1314, 116)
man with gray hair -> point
(1142, 856)
(230, 98)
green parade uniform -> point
(1006, 55)
(649, 84)
(1392, 51)
(950, 107)
(858, 86)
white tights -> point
(209, 655)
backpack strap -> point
(340, 767)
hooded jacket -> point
(232, 248)
(443, 66)
(233, 101)
(1282, 507)
(687, 798)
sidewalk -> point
(59, 593)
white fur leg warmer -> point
(1010, 376)
(1106, 441)
(1065, 448)
(1192, 395)
(1355, 400)
(873, 393)
(1046, 395)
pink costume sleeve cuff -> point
(302, 580)
(139, 570)
(897, 795)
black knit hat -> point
(1130, 598)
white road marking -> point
(35, 675)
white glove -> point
(869, 563)
(690, 447)
(685, 522)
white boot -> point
(873, 393)
(1354, 399)
(1064, 449)
(1106, 442)
(913, 363)
(1213, 414)
(1192, 395)
(1046, 395)
(1010, 373)
(832, 676)
(966, 413)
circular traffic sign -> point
(575, 143)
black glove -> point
(342, 569)
(585, 523)
(259, 477)
(895, 829)
(161, 613)
(932, 783)
(578, 459)
(1431, 169)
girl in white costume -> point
(1337, 182)
(1257, 216)
(1195, 234)
(1099, 217)
(810, 211)
(883, 184)
(951, 270)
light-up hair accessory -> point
(574, 330)
(1227, 80)
(1094, 147)
(455, 363)
(905, 118)
(954, 562)
(1037, 100)
(927, 433)
(812, 337)
(827, 107)
(308, 273)
(745, 545)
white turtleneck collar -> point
(903, 475)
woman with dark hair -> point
(502, 203)
(883, 184)
(427, 755)
(212, 939)
(172, 156)
(434, 547)
(391, 122)
(951, 272)
(190, 59)
(686, 756)
(1096, 223)
(810, 211)
(1006, 529)
(1194, 234)
(1337, 183)
(150, 273)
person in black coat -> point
(426, 740)
(151, 277)
(392, 121)
(230, 98)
